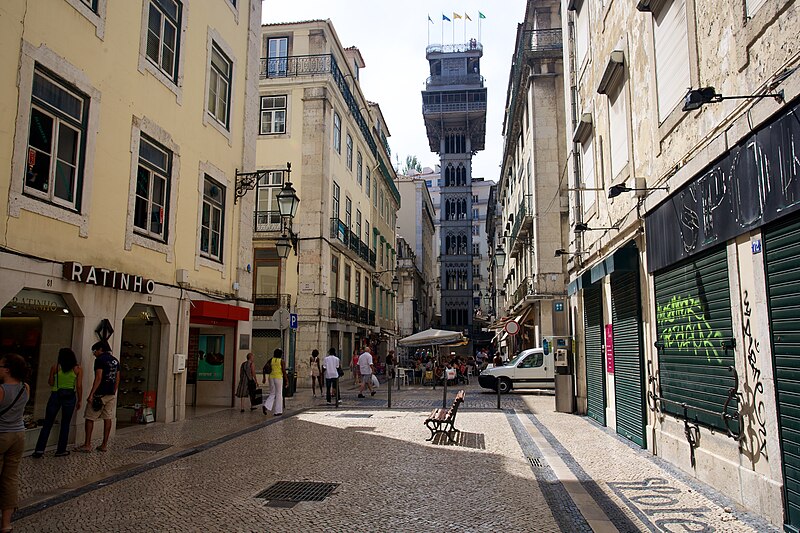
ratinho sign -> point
(103, 277)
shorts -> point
(106, 413)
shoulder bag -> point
(7, 409)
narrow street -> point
(522, 468)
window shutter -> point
(582, 30)
(672, 57)
(752, 6)
(619, 130)
(587, 161)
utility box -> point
(565, 398)
(179, 363)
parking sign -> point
(293, 321)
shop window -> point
(139, 358)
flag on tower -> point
(456, 15)
(445, 18)
(429, 19)
(466, 16)
(481, 15)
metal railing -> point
(343, 310)
(449, 48)
(266, 304)
(342, 233)
(523, 290)
(454, 107)
(292, 66)
(267, 221)
(542, 40)
(439, 80)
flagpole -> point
(429, 30)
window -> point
(349, 152)
(335, 200)
(476, 249)
(587, 167)
(358, 287)
(277, 54)
(369, 179)
(475, 214)
(474, 198)
(359, 167)
(617, 115)
(534, 360)
(672, 56)
(366, 231)
(219, 86)
(337, 132)
(91, 4)
(212, 221)
(334, 276)
(163, 27)
(273, 114)
(475, 230)
(152, 189)
(358, 223)
(268, 216)
(348, 212)
(582, 31)
(55, 142)
(346, 291)
(751, 6)
(375, 192)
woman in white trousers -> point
(275, 369)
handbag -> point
(339, 371)
(97, 403)
(375, 382)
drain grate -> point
(150, 447)
(536, 462)
(355, 416)
(298, 491)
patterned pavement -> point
(522, 468)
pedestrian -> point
(247, 382)
(366, 368)
(498, 360)
(316, 373)
(14, 394)
(333, 370)
(390, 363)
(102, 399)
(354, 369)
(276, 370)
(65, 396)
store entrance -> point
(139, 358)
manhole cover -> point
(536, 462)
(298, 491)
(150, 447)
(355, 416)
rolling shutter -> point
(628, 356)
(782, 256)
(695, 338)
(595, 362)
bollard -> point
(498, 394)
(389, 388)
(338, 398)
(444, 389)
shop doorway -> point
(139, 359)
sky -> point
(392, 36)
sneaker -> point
(62, 454)
(372, 393)
(37, 455)
(264, 409)
(361, 396)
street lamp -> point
(283, 246)
(287, 198)
(500, 256)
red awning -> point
(202, 309)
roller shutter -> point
(628, 356)
(595, 362)
(782, 256)
(695, 338)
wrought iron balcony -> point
(525, 287)
(473, 46)
(267, 221)
(344, 310)
(266, 304)
(292, 66)
(542, 40)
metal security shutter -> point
(595, 363)
(695, 338)
(628, 375)
(782, 256)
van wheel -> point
(505, 385)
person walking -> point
(247, 382)
(102, 399)
(316, 373)
(276, 370)
(333, 371)
(354, 368)
(366, 369)
(66, 391)
(14, 394)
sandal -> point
(83, 449)
(101, 449)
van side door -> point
(530, 371)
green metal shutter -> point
(628, 356)
(595, 360)
(695, 338)
(782, 256)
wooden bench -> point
(443, 420)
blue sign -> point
(559, 306)
(756, 244)
(293, 320)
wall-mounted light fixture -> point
(500, 255)
(697, 98)
(376, 279)
(562, 251)
(640, 187)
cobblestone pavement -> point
(523, 468)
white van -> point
(531, 369)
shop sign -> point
(610, 348)
(103, 277)
(31, 300)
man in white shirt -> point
(331, 365)
(367, 368)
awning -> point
(582, 281)
(431, 337)
(623, 260)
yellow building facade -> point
(123, 131)
(315, 116)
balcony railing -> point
(542, 40)
(344, 310)
(523, 290)
(267, 221)
(342, 233)
(291, 66)
(453, 107)
(267, 304)
(443, 81)
(451, 48)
